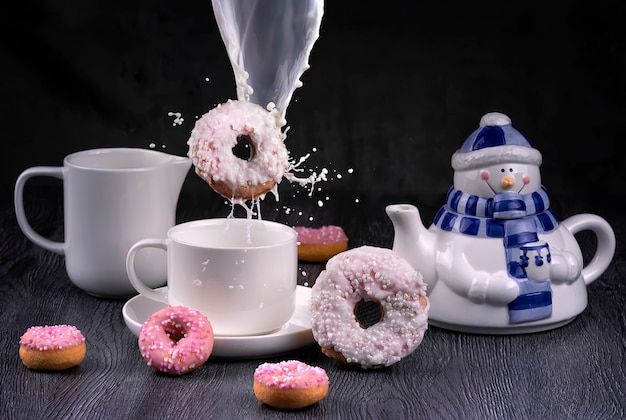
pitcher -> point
(112, 198)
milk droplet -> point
(304, 273)
(320, 203)
(152, 145)
(178, 118)
(339, 176)
(350, 170)
(197, 283)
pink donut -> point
(176, 340)
(362, 275)
(320, 244)
(290, 384)
(52, 347)
(218, 131)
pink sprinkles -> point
(290, 374)
(51, 337)
(324, 235)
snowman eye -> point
(502, 170)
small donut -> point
(382, 282)
(176, 340)
(54, 347)
(317, 245)
(218, 131)
(290, 384)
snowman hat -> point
(495, 141)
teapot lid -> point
(494, 141)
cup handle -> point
(22, 221)
(605, 242)
(137, 283)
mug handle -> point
(22, 221)
(137, 283)
(605, 242)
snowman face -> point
(487, 181)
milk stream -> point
(268, 43)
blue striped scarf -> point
(517, 219)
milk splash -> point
(269, 43)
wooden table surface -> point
(577, 371)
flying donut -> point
(216, 135)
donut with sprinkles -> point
(290, 384)
(217, 134)
(176, 340)
(52, 347)
(394, 291)
(320, 244)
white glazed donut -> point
(376, 275)
(218, 131)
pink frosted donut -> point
(320, 244)
(53, 347)
(365, 276)
(290, 384)
(176, 340)
(218, 131)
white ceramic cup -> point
(112, 198)
(241, 273)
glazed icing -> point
(370, 274)
(176, 340)
(53, 337)
(290, 374)
(323, 235)
(216, 133)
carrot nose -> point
(507, 182)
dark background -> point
(393, 89)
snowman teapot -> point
(496, 259)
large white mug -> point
(241, 273)
(111, 198)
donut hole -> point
(174, 332)
(244, 149)
(368, 313)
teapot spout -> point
(412, 240)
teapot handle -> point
(605, 242)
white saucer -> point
(294, 335)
